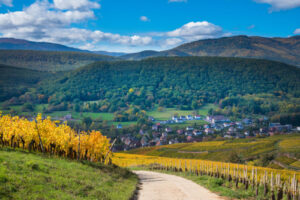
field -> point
(284, 148)
(25, 175)
(167, 113)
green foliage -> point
(187, 82)
(31, 176)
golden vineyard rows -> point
(48, 136)
(280, 182)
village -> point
(216, 127)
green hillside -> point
(16, 81)
(187, 82)
(31, 176)
(278, 151)
(49, 60)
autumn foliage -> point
(52, 137)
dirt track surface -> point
(158, 186)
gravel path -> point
(158, 186)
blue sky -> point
(135, 25)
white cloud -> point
(144, 19)
(177, 1)
(297, 31)
(196, 31)
(40, 22)
(6, 2)
(172, 42)
(281, 4)
(53, 22)
(75, 4)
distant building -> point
(189, 128)
(168, 129)
(119, 126)
(217, 119)
(189, 117)
(197, 117)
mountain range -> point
(285, 50)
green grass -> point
(124, 123)
(248, 150)
(80, 116)
(167, 113)
(31, 176)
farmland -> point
(282, 148)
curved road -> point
(158, 186)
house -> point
(197, 117)
(164, 134)
(183, 118)
(227, 136)
(247, 133)
(188, 133)
(189, 128)
(175, 118)
(231, 131)
(206, 126)
(180, 131)
(226, 124)
(189, 139)
(209, 131)
(197, 133)
(155, 127)
(168, 129)
(173, 141)
(217, 119)
(179, 121)
(189, 117)
(119, 126)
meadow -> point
(33, 176)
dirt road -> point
(158, 186)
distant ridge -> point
(285, 50)
(18, 44)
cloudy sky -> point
(135, 25)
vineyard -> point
(278, 184)
(55, 138)
(284, 148)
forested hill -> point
(16, 81)
(278, 49)
(170, 81)
(49, 60)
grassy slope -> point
(248, 149)
(30, 176)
